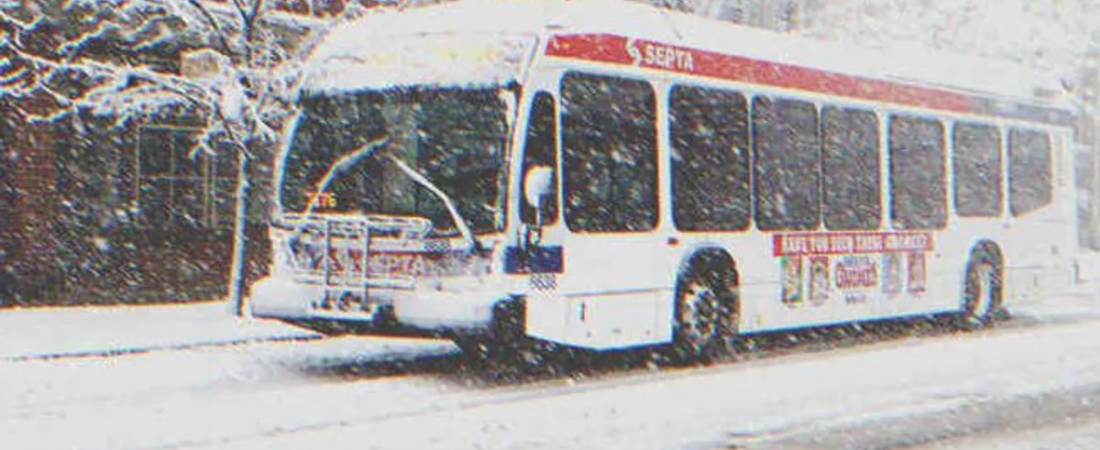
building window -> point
(609, 138)
(181, 185)
(918, 187)
(976, 160)
(1029, 173)
(788, 167)
(850, 162)
(710, 159)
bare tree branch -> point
(226, 50)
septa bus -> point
(605, 175)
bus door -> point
(589, 243)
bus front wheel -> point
(505, 341)
(706, 306)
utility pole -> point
(1094, 157)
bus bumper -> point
(432, 311)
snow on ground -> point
(1054, 438)
(191, 394)
(338, 393)
(35, 383)
(751, 404)
(168, 398)
(70, 331)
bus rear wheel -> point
(981, 300)
(705, 314)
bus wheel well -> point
(709, 258)
(988, 249)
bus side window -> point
(976, 159)
(918, 173)
(540, 150)
(787, 184)
(609, 153)
(850, 163)
(710, 159)
(1029, 172)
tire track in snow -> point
(479, 393)
(953, 420)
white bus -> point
(603, 175)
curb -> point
(138, 350)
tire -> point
(474, 347)
(705, 313)
(982, 293)
(506, 341)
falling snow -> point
(169, 155)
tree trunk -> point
(240, 240)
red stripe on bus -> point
(650, 54)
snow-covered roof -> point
(459, 43)
(487, 41)
(352, 61)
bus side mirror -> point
(536, 185)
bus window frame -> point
(746, 98)
(939, 221)
(653, 154)
(756, 174)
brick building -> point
(81, 223)
(26, 192)
(91, 213)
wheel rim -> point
(697, 311)
(982, 297)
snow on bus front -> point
(392, 201)
(416, 117)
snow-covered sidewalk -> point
(42, 333)
(38, 333)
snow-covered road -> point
(357, 393)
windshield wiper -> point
(460, 223)
(340, 165)
(353, 157)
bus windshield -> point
(454, 137)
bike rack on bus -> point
(344, 244)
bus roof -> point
(476, 42)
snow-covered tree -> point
(238, 75)
(1054, 37)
